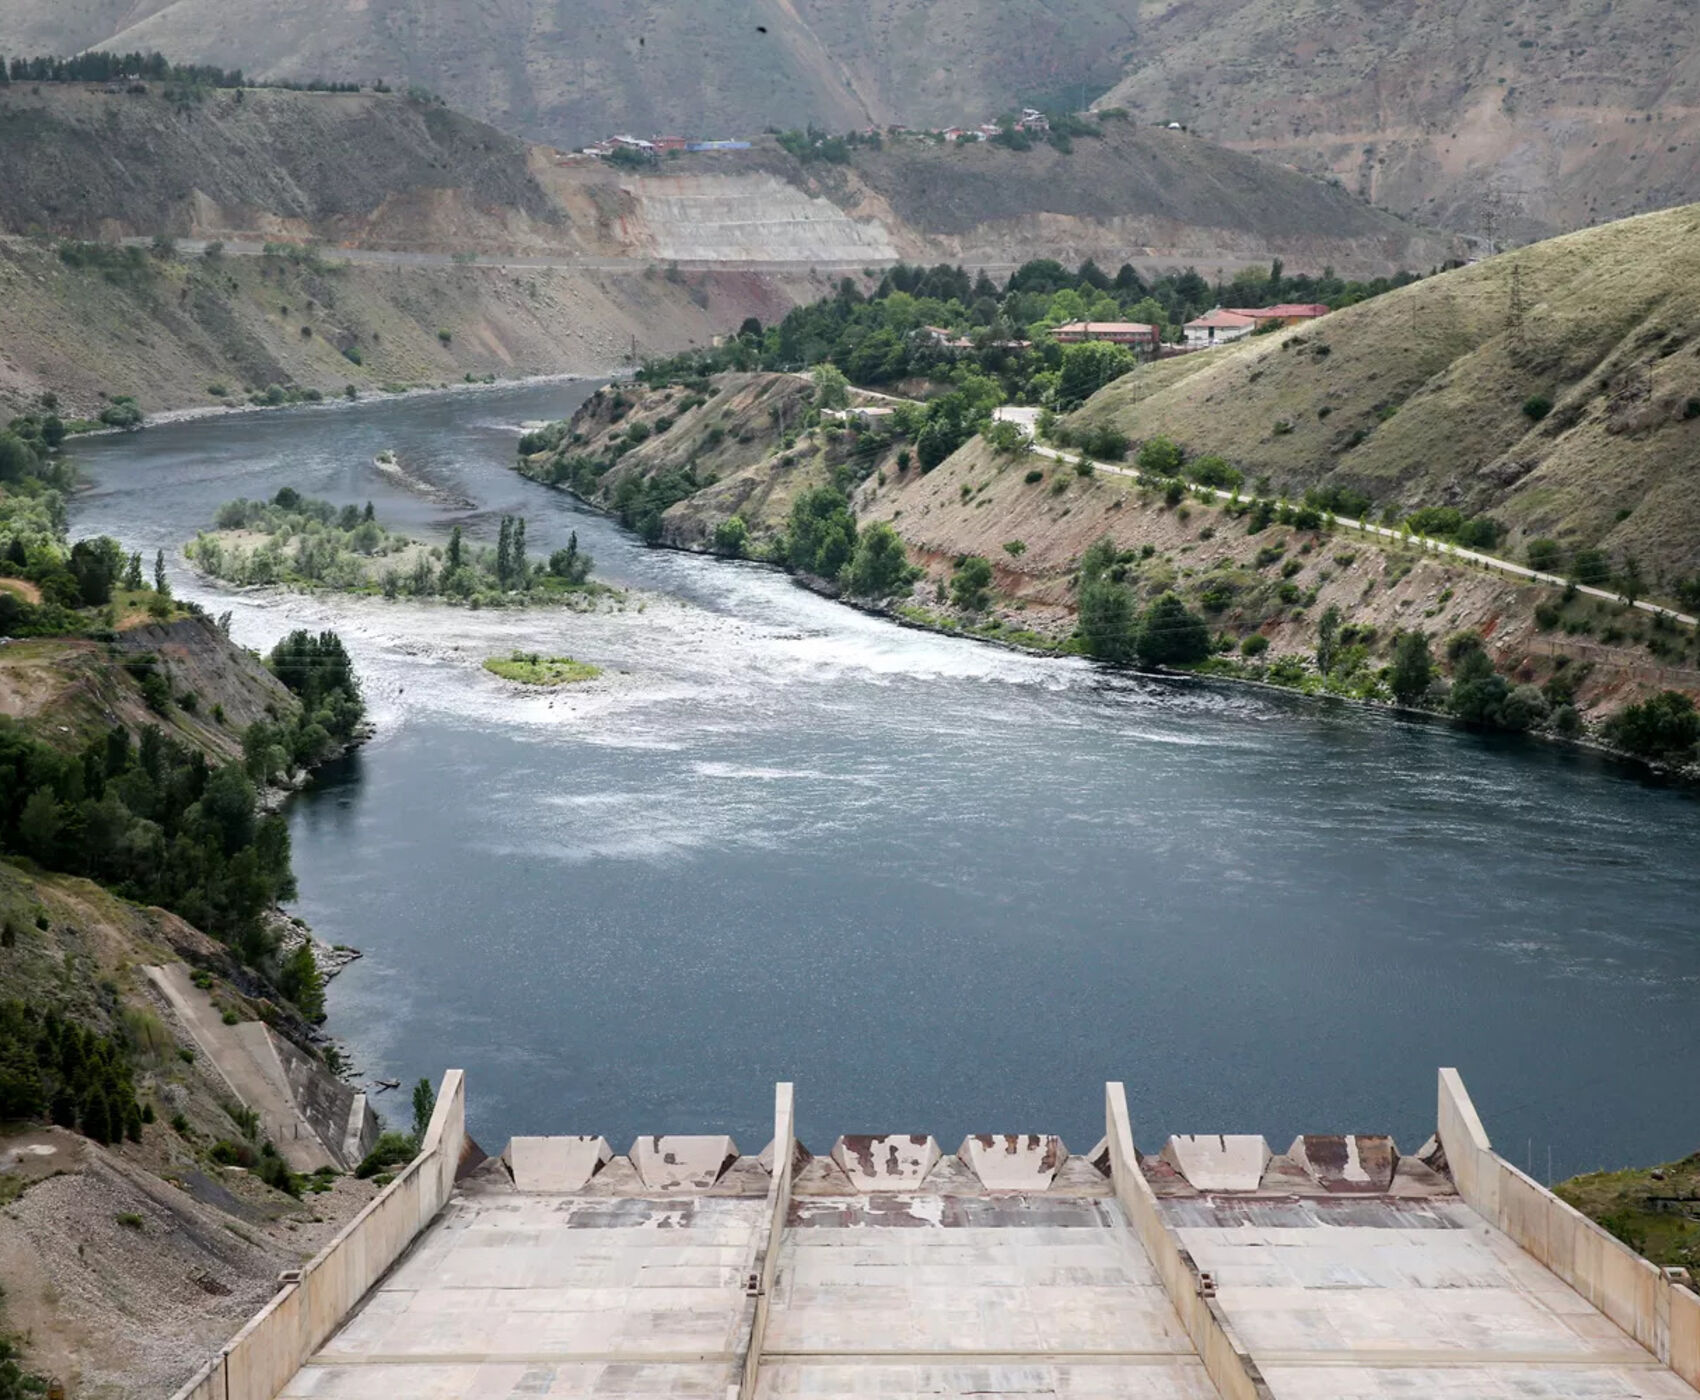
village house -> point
(1133, 334)
(1217, 327)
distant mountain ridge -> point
(569, 74)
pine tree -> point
(97, 1116)
(504, 551)
(519, 565)
(454, 549)
(161, 585)
(370, 514)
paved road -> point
(1469, 556)
(571, 262)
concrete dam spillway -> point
(1338, 1269)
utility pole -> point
(1514, 310)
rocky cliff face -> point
(1507, 121)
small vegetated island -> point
(301, 542)
(531, 668)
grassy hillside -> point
(713, 466)
(1521, 120)
(1433, 395)
(170, 331)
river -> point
(940, 886)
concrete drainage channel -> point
(1216, 1267)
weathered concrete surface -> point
(891, 1163)
(1346, 1162)
(909, 1294)
(248, 1058)
(1340, 1298)
(561, 1164)
(1218, 1161)
(1013, 1161)
(514, 1294)
(680, 1163)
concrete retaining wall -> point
(260, 1359)
(1226, 1360)
(1660, 1314)
(778, 1207)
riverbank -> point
(714, 470)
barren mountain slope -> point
(1516, 120)
(385, 171)
(567, 73)
(1436, 395)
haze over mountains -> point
(1513, 121)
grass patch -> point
(1653, 1210)
(529, 668)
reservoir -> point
(942, 887)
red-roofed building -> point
(1218, 327)
(1286, 313)
(1133, 334)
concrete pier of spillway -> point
(1337, 1269)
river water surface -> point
(941, 887)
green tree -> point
(424, 1105)
(97, 565)
(1479, 692)
(1327, 640)
(1413, 668)
(1108, 626)
(821, 533)
(731, 537)
(39, 824)
(880, 566)
(133, 573)
(1544, 555)
(832, 389)
(521, 570)
(504, 551)
(452, 558)
(970, 585)
(1088, 367)
(1161, 457)
(1664, 727)
(161, 584)
(1170, 635)
(97, 1116)
(299, 979)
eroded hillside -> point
(1508, 121)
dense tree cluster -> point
(52, 1068)
(891, 335)
(319, 544)
(96, 66)
(1113, 628)
(1664, 728)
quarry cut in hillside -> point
(410, 175)
(1556, 389)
